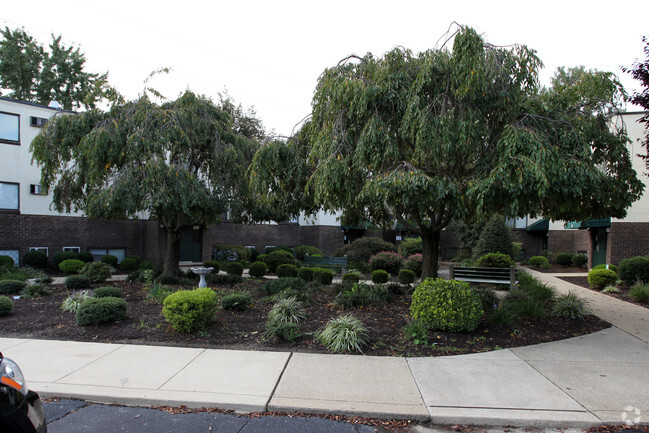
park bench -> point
(326, 262)
(484, 275)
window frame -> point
(33, 187)
(7, 141)
(46, 250)
(17, 209)
(70, 249)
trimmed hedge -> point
(110, 259)
(95, 311)
(600, 278)
(323, 276)
(216, 266)
(11, 287)
(286, 270)
(635, 269)
(97, 272)
(579, 260)
(257, 269)
(603, 266)
(190, 310)
(351, 277)
(6, 261)
(406, 276)
(76, 282)
(6, 305)
(234, 268)
(278, 257)
(305, 273)
(494, 260)
(86, 257)
(36, 259)
(107, 292)
(61, 256)
(302, 250)
(387, 261)
(236, 301)
(129, 264)
(71, 266)
(362, 249)
(414, 263)
(380, 276)
(539, 262)
(563, 259)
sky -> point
(269, 54)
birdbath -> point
(202, 272)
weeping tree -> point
(451, 133)
(181, 162)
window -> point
(9, 196)
(37, 190)
(9, 128)
(72, 249)
(42, 249)
(38, 122)
(98, 253)
(517, 223)
(14, 254)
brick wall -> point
(568, 241)
(627, 240)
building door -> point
(598, 236)
(191, 245)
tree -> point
(30, 73)
(640, 71)
(447, 134)
(495, 237)
(181, 162)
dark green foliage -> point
(95, 311)
(97, 272)
(323, 276)
(76, 282)
(6, 261)
(570, 306)
(305, 273)
(190, 310)
(10, 272)
(301, 251)
(535, 288)
(287, 249)
(150, 265)
(362, 249)
(231, 253)
(129, 265)
(604, 266)
(380, 276)
(446, 305)
(414, 263)
(45, 280)
(258, 269)
(640, 71)
(563, 259)
(410, 246)
(219, 279)
(278, 257)
(344, 334)
(71, 266)
(273, 287)
(236, 301)
(262, 257)
(286, 270)
(61, 256)
(169, 280)
(213, 264)
(502, 316)
(106, 292)
(386, 260)
(287, 310)
(600, 278)
(362, 295)
(635, 269)
(6, 305)
(640, 293)
(11, 287)
(36, 290)
(520, 304)
(288, 331)
(36, 259)
(110, 259)
(539, 262)
(406, 276)
(579, 260)
(234, 268)
(351, 277)
(86, 257)
(494, 260)
(495, 237)
(135, 257)
(488, 297)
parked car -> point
(21, 410)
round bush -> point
(351, 277)
(539, 262)
(107, 292)
(600, 278)
(323, 276)
(97, 272)
(36, 259)
(61, 256)
(273, 287)
(286, 270)
(446, 305)
(236, 301)
(110, 259)
(257, 269)
(302, 250)
(387, 261)
(190, 310)
(380, 276)
(603, 266)
(11, 287)
(305, 273)
(494, 260)
(279, 257)
(634, 269)
(95, 311)
(76, 282)
(129, 265)
(406, 276)
(36, 290)
(563, 259)
(410, 247)
(362, 249)
(86, 257)
(6, 305)
(213, 264)
(414, 263)
(6, 261)
(234, 268)
(135, 257)
(71, 266)
(579, 260)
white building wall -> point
(321, 218)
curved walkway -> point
(578, 382)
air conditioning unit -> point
(38, 122)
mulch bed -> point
(42, 318)
(623, 295)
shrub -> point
(351, 277)
(344, 334)
(13, 273)
(360, 295)
(488, 297)
(380, 276)
(107, 292)
(362, 249)
(599, 278)
(236, 301)
(406, 276)
(62, 256)
(231, 253)
(273, 287)
(6, 305)
(517, 249)
(610, 267)
(521, 304)
(262, 257)
(386, 260)
(563, 259)
(76, 282)
(95, 311)
(446, 305)
(258, 269)
(570, 306)
(415, 331)
(97, 272)
(6, 261)
(190, 310)
(539, 262)
(86, 257)
(534, 288)
(287, 310)
(11, 287)
(640, 293)
(36, 290)
(502, 316)
(411, 246)
(634, 269)
(286, 270)
(289, 331)
(110, 259)
(610, 289)
(495, 237)
(146, 265)
(37, 259)
(494, 260)
(71, 266)
(414, 263)
(323, 276)
(169, 279)
(128, 265)
(305, 273)
(234, 268)
(216, 266)
(278, 257)
(579, 260)
(219, 279)
(301, 251)
(72, 302)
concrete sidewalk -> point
(579, 382)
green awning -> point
(589, 224)
(539, 226)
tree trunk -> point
(430, 253)
(172, 253)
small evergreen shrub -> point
(278, 257)
(273, 287)
(219, 279)
(303, 250)
(6, 305)
(234, 268)
(258, 269)
(539, 262)
(414, 263)
(344, 334)
(287, 310)
(563, 259)
(579, 260)
(36, 290)
(495, 237)
(380, 276)
(76, 282)
(11, 287)
(95, 311)
(634, 269)
(494, 260)
(600, 278)
(387, 261)
(6, 261)
(236, 301)
(13, 273)
(289, 331)
(62, 256)
(640, 293)
(351, 277)
(45, 280)
(110, 259)
(570, 306)
(36, 259)
(446, 305)
(406, 276)
(190, 310)
(411, 246)
(610, 267)
(72, 302)
(323, 276)
(71, 266)
(362, 249)
(361, 295)
(216, 266)
(86, 257)
(97, 272)
(129, 265)
(107, 292)
(305, 273)
(286, 270)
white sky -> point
(269, 54)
